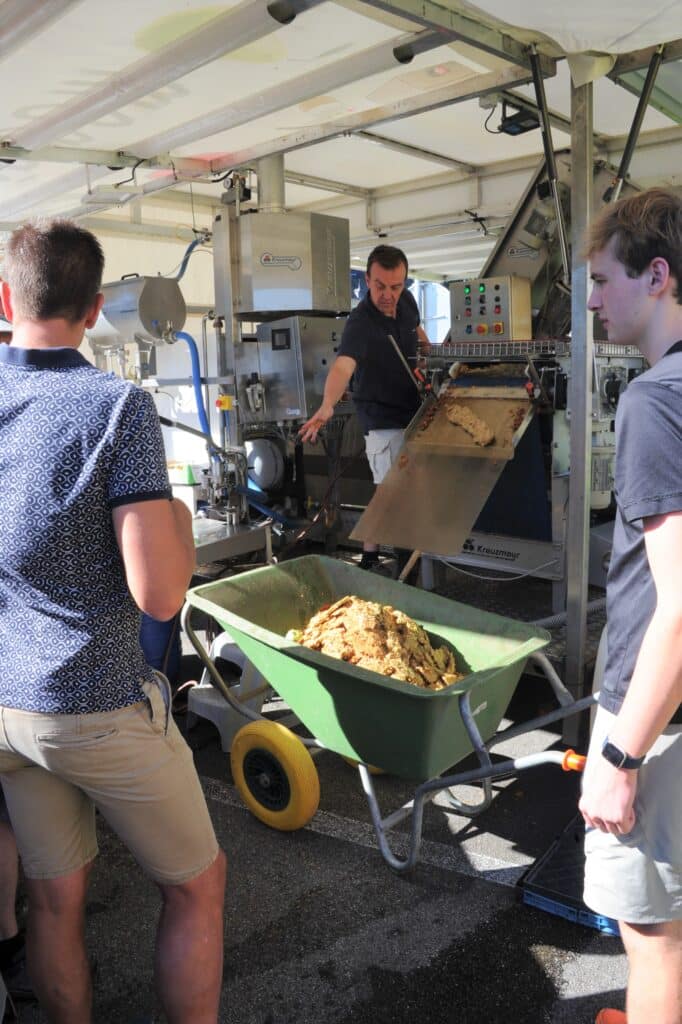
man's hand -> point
(312, 427)
(608, 798)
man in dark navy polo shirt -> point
(90, 535)
(384, 395)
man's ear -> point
(95, 310)
(659, 275)
(6, 301)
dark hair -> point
(388, 257)
(54, 269)
(644, 226)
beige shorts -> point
(382, 448)
(132, 765)
(638, 877)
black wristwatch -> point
(619, 758)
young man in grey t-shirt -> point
(632, 797)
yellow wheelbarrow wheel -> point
(275, 775)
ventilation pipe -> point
(270, 171)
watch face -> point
(613, 754)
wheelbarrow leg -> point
(415, 808)
(471, 810)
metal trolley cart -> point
(361, 715)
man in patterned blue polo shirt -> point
(90, 535)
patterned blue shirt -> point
(74, 444)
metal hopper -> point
(439, 483)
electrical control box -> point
(490, 309)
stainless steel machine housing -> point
(138, 308)
(281, 374)
(291, 263)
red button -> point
(482, 329)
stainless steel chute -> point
(436, 488)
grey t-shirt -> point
(648, 483)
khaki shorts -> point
(637, 877)
(382, 448)
(132, 765)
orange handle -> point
(573, 762)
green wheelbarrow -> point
(365, 717)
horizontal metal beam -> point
(657, 137)
(416, 151)
(326, 185)
(465, 28)
(148, 229)
(639, 59)
(110, 158)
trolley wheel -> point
(275, 775)
(372, 769)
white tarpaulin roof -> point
(110, 110)
(583, 25)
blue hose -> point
(185, 259)
(196, 379)
(264, 509)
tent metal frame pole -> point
(580, 392)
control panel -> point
(490, 309)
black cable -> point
(480, 221)
(125, 181)
(491, 131)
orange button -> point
(482, 329)
(498, 328)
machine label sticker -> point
(522, 252)
(292, 412)
(471, 547)
(267, 259)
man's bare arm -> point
(335, 386)
(423, 342)
(157, 548)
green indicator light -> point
(481, 287)
(467, 289)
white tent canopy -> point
(128, 115)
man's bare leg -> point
(655, 979)
(55, 942)
(9, 874)
(189, 947)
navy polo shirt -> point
(383, 394)
(648, 482)
(74, 444)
